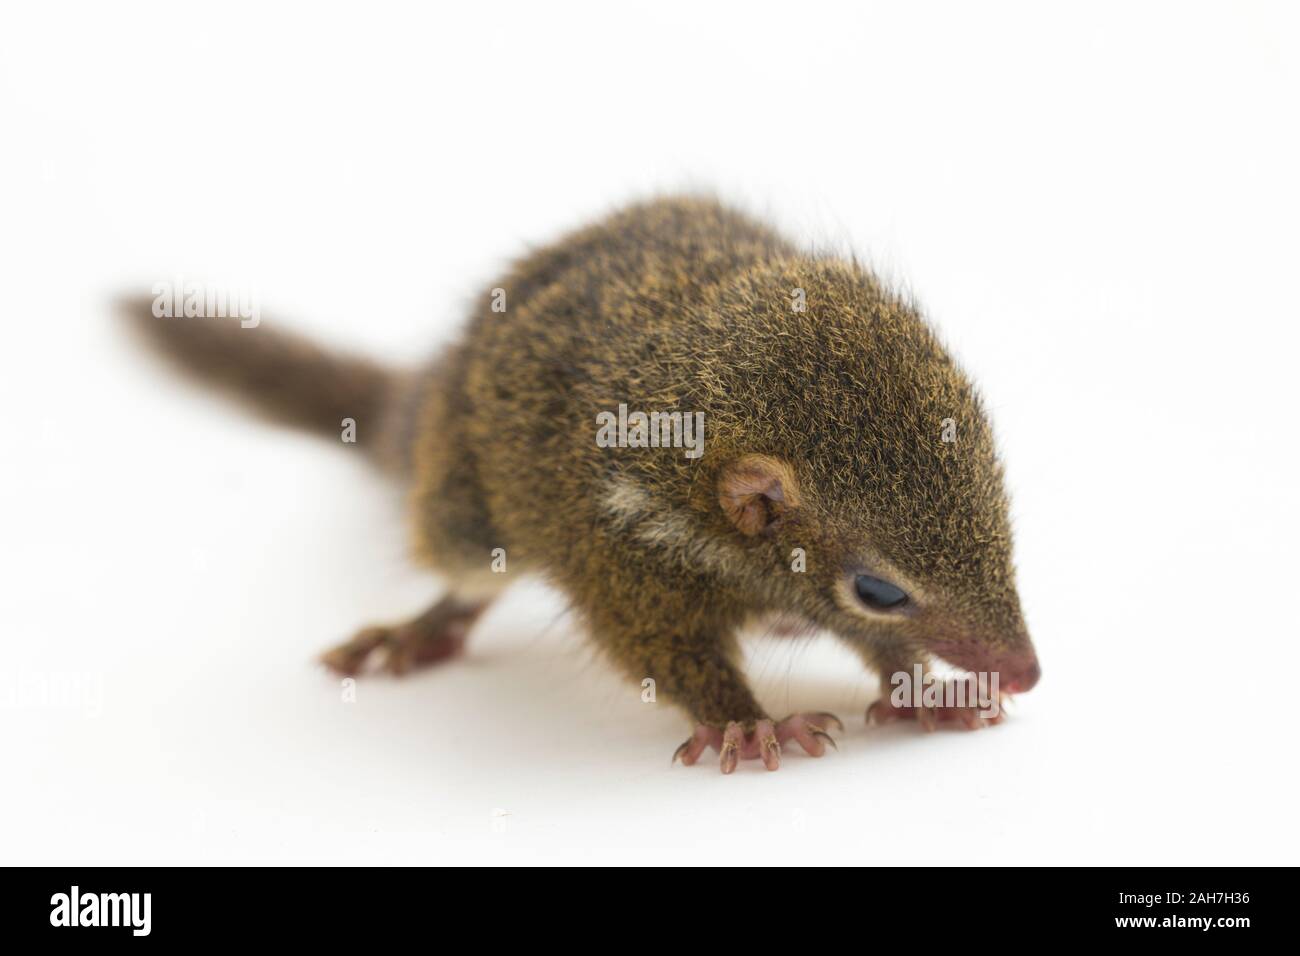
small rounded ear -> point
(756, 490)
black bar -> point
(998, 906)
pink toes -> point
(769, 744)
(733, 741)
(703, 738)
(419, 643)
(929, 718)
(809, 731)
(762, 743)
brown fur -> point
(823, 432)
(279, 374)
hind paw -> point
(434, 636)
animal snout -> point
(1021, 676)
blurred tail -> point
(281, 375)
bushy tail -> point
(281, 375)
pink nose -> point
(1018, 679)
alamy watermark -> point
(651, 430)
(927, 689)
(76, 908)
(53, 690)
(178, 298)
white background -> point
(1097, 205)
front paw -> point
(930, 717)
(762, 741)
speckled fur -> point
(686, 305)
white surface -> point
(1098, 208)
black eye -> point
(879, 594)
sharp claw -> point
(878, 714)
(728, 759)
(769, 747)
(839, 724)
(766, 741)
(823, 735)
(732, 738)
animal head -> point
(850, 433)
